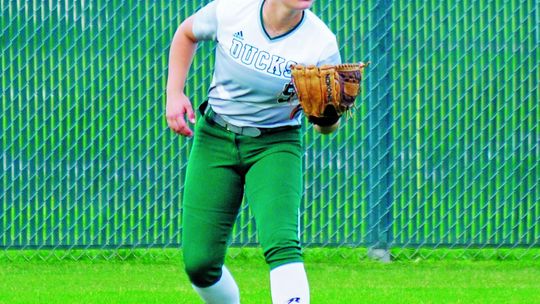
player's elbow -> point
(186, 29)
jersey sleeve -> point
(205, 22)
(330, 54)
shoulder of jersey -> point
(232, 9)
(316, 24)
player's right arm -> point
(181, 54)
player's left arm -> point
(327, 125)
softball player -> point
(245, 142)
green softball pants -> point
(222, 167)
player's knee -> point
(203, 271)
(283, 253)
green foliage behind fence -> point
(442, 150)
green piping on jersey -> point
(282, 35)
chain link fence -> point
(441, 152)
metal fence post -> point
(380, 136)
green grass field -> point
(334, 278)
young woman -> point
(245, 142)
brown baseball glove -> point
(328, 91)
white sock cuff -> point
(294, 266)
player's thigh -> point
(210, 207)
(212, 196)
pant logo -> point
(294, 300)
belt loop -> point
(206, 111)
(210, 112)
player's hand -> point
(178, 110)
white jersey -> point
(252, 69)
